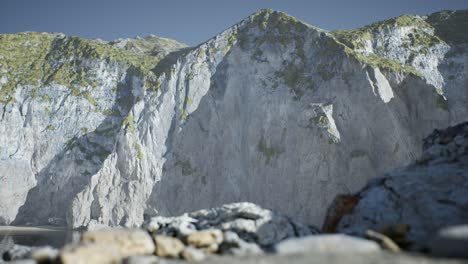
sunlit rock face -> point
(271, 111)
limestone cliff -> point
(271, 111)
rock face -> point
(426, 196)
(271, 111)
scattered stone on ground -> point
(249, 221)
(168, 247)
(451, 242)
(336, 243)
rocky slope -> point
(272, 111)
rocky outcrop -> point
(272, 111)
(249, 222)
(424, 197)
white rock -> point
(327, 244)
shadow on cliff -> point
(172, 186)
(70, 171)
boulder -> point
(411, 204)
(91, 253)
(127, 241)
(208, 240)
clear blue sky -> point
(194, 21)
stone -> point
(127, 241)
(249, 221)
(280, 100)
(91, 253)
(410, 204)
(336, 244)
(450, 242)
(234, 245)
(396, 232)
(205, 238)
(141, 260)
(6, 243)
(18, 252)
(193, 254)
(384, 241)
(108, 246)
(168, 247)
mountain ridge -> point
(270, 105)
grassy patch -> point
(41, 59)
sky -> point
(194, 21)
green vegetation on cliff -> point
(41, 59)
